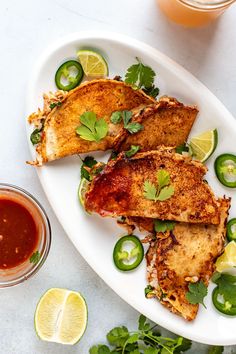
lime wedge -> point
(61, 316)
(227, 261)
(204, 145)
(93, 63)
(83, 186)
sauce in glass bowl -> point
(25, 235)
(18, 233)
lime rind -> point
(93, 63)
(83, 186)
(227, 261)
(200, 145)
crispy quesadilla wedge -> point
(167, 122)
(120, 189)
(102, 97)
(183, 256)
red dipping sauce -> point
(18, 233)
(25, 235)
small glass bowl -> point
(18, 274)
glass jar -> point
(193, 13)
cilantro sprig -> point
(163, 191)
(163, 225)
(35, 257)
(145, 340)
(89, 162)
(141, 76)
(91, 128)
(197, 292)
(132, 127)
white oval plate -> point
(93, 236)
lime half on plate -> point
(93, 63)
(83, 186)
(227, 261)
(204, 145)
(61, 316)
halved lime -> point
(61, 316)
(93, 63)
(83, 186)
(204, 145)
(227, 261)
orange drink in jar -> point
(193, 13)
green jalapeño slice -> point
(225, 169)
(231, 230)
(69, 75)
(226, 307)
(128, 253)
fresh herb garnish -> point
(163, 225)
(132, 151)
(182, 148)
(145, 340)
(152, 91)
(36, 136)
(35, 257)
(163, 192)
(91, 128)
(141, 76)
(215, 350)
(132, 127)
(197, 292)
(148, 290)
(116, 117)
(89, 161)
(55, 104)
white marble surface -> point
(26, 28)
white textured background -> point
(26, 27)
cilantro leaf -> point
(152, 91)
(118, 336)
(132, 151)
(197, 292)
(151, 350)
(140, 75)
(134, 127)
(165, 193)
(163, 178)
(182, 148)
(143, 325)
(89, 161)
(35, 257)
(116, 117)
(141, 321)
(163, 225)
(215, 350)
(185, 346)
(92, 129)
(149, 190)
(85, 133)
(148, 290)
(101, 128)
(55, 104)
(127, 115)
